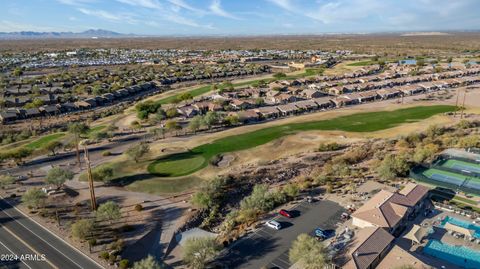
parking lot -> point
(269, 247)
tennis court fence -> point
(417, 174)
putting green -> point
(185, 163)
(176, 165)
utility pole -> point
(463, 104)
(78, 153)
(456, 104)
(93, 200)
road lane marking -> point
(48, 231)
(27, 245)
(14, 254)
(41, 239)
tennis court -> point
(445, 176)
(462, 166)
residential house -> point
(411, 89)
(32, 113)
(312, 93)
(324, 102)
(428, 86)
(246, 116)
(306, 105)
(390, 210)
(288, 109)
(268, 112)
(282, 98)
(368, 249)
(343, 100)
(188, 111)
(6, 117)
(50, 110)
(241, 104)
(389, 93)
(335, 90)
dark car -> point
(285, 213)
(324, 234)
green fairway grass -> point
(165, 185)
(43, 141)
(196, 159)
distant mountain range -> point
(91, 33)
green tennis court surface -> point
(467, 182)
(445, 176)
(461, 165)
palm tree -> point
(77, 129)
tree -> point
(34, 198)
(158, 131)
(19, 154)
(211, 118)
(147, 263)
(259, 200)
(172, 125)
(393, 166)
(198, 251)
(146, 108)
(6, 180)
(279, 75)
(53, 146)
(57, 176)
(195, 123)
(171, 112)
(77, 129)
(425, 153)
(291, 190)
(309, 252)
(82, 229)
(202, 200)
(231, 120)
(108, 211)
(137, 151)
(102, 173)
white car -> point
(274, 224)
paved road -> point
(21, 235)
(116, 147)
(268, 247)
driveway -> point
(268, 247)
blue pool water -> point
(464, 224)
(459, 255)
(408, 62)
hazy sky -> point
(238, 17)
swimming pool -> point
(459, 255)
(464, 224)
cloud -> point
(216, 8)
(285, 4)
(9, 26)
(142, 3)
(114, 17)
(184, 5)
(75, 2)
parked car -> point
(345, 216)
(323, 234)
(274, 224)
(285, 213)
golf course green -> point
(181, 164)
